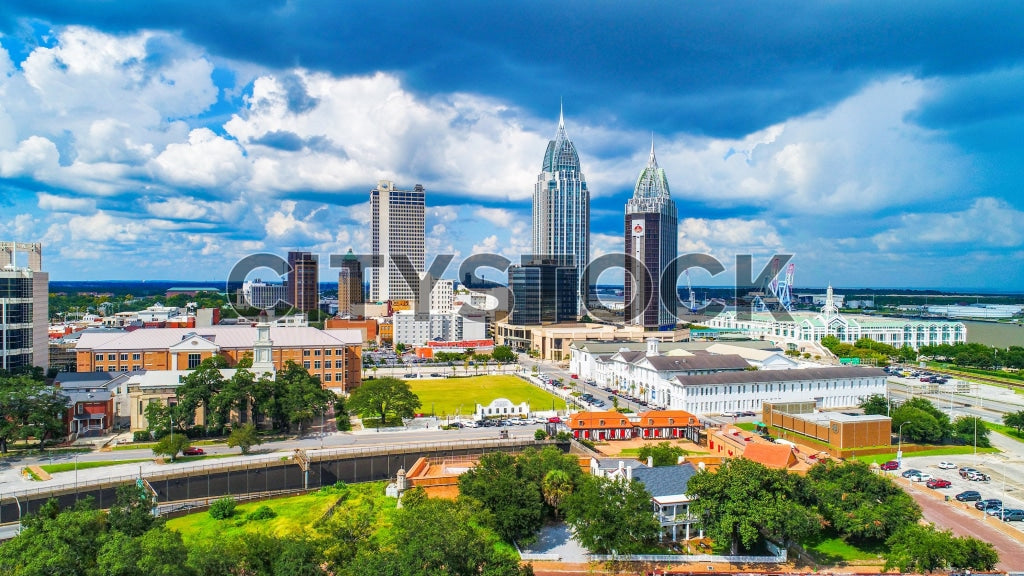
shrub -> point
(540, 435)
(222, 508)
(142, 436)
(262, 513)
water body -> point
(993, 334)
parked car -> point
(986, 505)
(938, 483)
(555, 420)
(193, 451)
(965, 471)
(947, 466)
(891, 465)
(968, 496)
(920, 477)
(1009, 514)
(997, 511)
(978, 477)
(911, 472)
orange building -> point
(334, 356)
(733, 442)
(601, 426)
(368, 327)
(663, 424)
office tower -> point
(651, 242)
(442, 297)
(350, 286)
(303, 281)
(397, 231)
(561, 209)
(24, 308)
(542, 293)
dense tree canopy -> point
(1015, 420)
(923, 421)
(977, 355)
(916, 548)
(612, 516)
(743, 500)
(514, 501)
(971, 430)
(661, 454)
(29, 409)
(859, 504)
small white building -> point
(502, 408)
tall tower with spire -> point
(561, 209)
(651, 245)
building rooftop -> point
(663, 481)
(230, 337)
(765, 376)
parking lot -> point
(1000, 486)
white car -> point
(947, 466)
(920, 477)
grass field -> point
(69, 466)
(455, 396)
(295, 514)
(943, 451)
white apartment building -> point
(442, 297)
(452, 327)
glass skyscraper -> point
(651, 246)
(561, 209)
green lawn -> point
(943, 451)
(69, 466)
(835, 550)
(454, 396)
(1005, 431)
(295, 514)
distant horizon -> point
(940, 291)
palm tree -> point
(556, 487)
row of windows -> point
(326, 364)
(756, 388)
(112, 357)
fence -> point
(684, 558)
(259, 474)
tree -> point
(743, 500)
(514, 502)
(662, 454)
(858, 503)
(299, 397)
(556, 487)
(30, 409)
(420, 544)
(876, 404)
(917, 548)
(245, 437)
(1015, 420)
(503, 355)
(924, 422)
(131, 513)
(970, 430)
(384, 397)
(171, 445)
(612, 516)
(200, 386)
(341, 416)
(56, 541)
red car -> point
(891, 465)
(193, 451)
(555, 420)
(938, 483)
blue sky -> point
(878, 142)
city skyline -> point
(874, 141)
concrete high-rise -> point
(350, 286)
(398, 237)
(24, 308)
(561, 210)
(651, 246)
(303, 282)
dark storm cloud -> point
(719, 68)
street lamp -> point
(899, 449)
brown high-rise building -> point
(350, 286)
(651, 246)
(303, 284)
